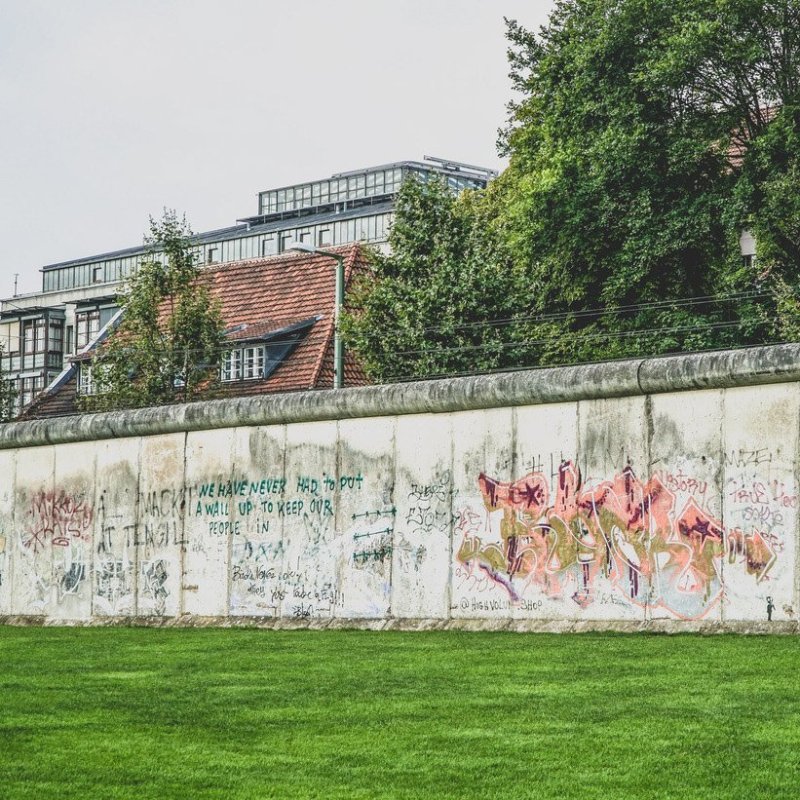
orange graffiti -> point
(630, 533)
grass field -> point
(141, 713)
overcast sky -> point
(111, 110)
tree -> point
(427, 308)
(648, 135)
(168, 344)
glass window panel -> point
(56, 336)
(105, 315)
(27, 337)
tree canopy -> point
(168, 344)
(645, 137)
(424, 309)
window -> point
(269, 246)
(212, 256)
(87, 326)
(88, 377)
(324, 237)
(304, 236)
(29, 389)
(98, 274)
(244, 363)
(286, 238)
(56, 336)
(33, 336)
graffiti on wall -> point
(56, 519)
(311, 544)
(54, 541)
(634, 537)
(287, 552)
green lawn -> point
(144, 713)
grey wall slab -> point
(760, 454)
(258, 548)
(34, 529)
(423, 527)
(634, 497)
(7, 478)
(160, 540)
(116, 505)
(366, 514)
(213, 494)
(687, 532)
(485, 567)
(610, 574)
(73, 536)
(545, 458)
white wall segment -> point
(672, 508)
(7, 470)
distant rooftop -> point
(347, 207)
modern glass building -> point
(79, 296)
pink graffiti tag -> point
(630, 533)
(57, 518)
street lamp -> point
(338, 348)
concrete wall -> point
(511, 503)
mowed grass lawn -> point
(139, 713)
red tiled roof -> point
(259, 297)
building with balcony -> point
(40, 332)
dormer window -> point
(244, 363)
(87, 325)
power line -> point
(579, 314)
(570, 336)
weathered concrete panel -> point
(7, 469)
(313, 547)
(609, 578)
(159, 535)
(32, 565)
(483, 564)
(72, 516)
(760, 502)
(545, 455)
(482, 503)
(257, 547)
(684, 499)
(213, 492)
(115, 530)
(423, 530)
(366, 514)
